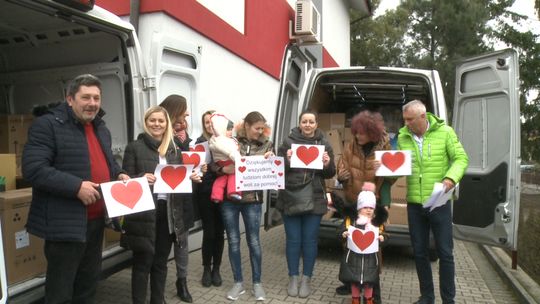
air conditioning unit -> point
(307, 20)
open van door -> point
(3, 276)
(296, 69)
(174, 69)
(487, 121)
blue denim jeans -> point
(302, 233)
(251, 215)
(440, 222)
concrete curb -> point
(526, 289)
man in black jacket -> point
(67, 155)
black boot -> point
(216, 277)
(206, 277)
(344, 289)
(182, 291)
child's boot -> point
(370, 301)
(355, 300)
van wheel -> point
(433, 255)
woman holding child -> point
(253, 139)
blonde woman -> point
(147, 233)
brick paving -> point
(476, 280)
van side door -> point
(487, 121)
(296, 70)
(174, 68)
(3, 270)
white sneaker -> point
(305, 287)
(235, 292)
(258, 292)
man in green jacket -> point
(437, 157)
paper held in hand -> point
(438, 197)
(259, 173)
(307, 156)
(173, 179)
(363, 241)
(393, 163)
(125, 198)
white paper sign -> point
(393, 162)
(307, 156)
(438, 197)
(197, 159)
(125, 198)
(173, 179)
(258, 173)
(202, 147)
(363, 241)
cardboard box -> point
(334, 138)
(14, 132)
(397, 214)
(23, 252)
(399, 191)
(8, 169)
(110, 238)
(347, 135)
(331, 121)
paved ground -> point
(476, 282)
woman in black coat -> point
(150, 234)
(212, 223)
(302, 226)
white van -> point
(43, 45)
(486, 119)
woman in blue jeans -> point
(252, 136)
(302, 226)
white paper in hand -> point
(438, 197)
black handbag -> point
(297, 200)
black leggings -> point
(213, 230)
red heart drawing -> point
(307, 155)
(197, 148)
(280, 173)
(242, 169)
(242, 159)
(277, 162)
(173, 176)
(393, 161)
(273, 171)
(193, 159)
(127, 194)
(363, 240)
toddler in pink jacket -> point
(224, 148)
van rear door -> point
(486, 119)
(3, 276)
(174, 69)
(296, 70)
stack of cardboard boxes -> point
(23, 252)
(13, 135)
(333, 124)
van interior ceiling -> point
(376, 90)
(35, 67)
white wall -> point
(231, 11)
(336, 31)
(227, 82)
